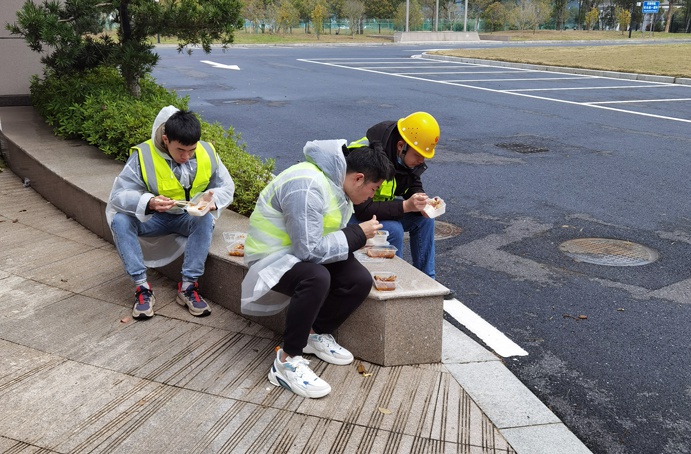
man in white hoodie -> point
(146, 209)
(299, 249)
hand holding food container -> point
(201, 204)
(435, 207)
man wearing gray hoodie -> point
(299, 249)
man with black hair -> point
(300, 255)
(146, 209)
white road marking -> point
(491, 336)
(639, 100)
(221, 66)
(644, 84)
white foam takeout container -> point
(434, 212)
(199, 206)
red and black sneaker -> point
(191, 298)
(143, 303)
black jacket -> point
(384, 136)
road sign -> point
(651, 7)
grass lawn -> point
(660, 59)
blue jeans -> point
(421, 239)
(198, 230)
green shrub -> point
(97, 108)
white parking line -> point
(594, 88)
(491, 336)
(638, 100)
(643, 84)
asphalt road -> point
(609, 347)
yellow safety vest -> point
(160, 179)
(273, 234)
(387, 189)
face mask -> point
(401, 156)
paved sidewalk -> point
(77, 374)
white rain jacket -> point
(130, 195)
(296, 202)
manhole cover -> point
(444, 230)
(521, 147)
(605, 251)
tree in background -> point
(591, 18)
(353, 10)
(623, 18)
(529, 14)
(415, 16)
(287, 16)
(560, 13)
(318, 15)
(381, 9)
(476, 8)
(495, 16)
(255, 12)
(450, 11)
(68, 31)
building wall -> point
(17, 62)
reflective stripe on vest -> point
(387, 189)
(331, 219)
(160, 179)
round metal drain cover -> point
(605, 251)
(444, 230)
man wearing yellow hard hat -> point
(399, 204)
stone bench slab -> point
(390, 328)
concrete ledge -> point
(390, 328)
(431, 37)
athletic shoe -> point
(296, 376)
(195, 303)
(143, 303)
(326, 349)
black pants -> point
(322, 298)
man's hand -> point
(417, 202)
(208, 197)
(370, 227)
(161, 203)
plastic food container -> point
(435, 207)
(382, 252)
(235, 242)
(198, 209)
(384, 280)
(200, 204)
(380, 238)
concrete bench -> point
(391, 328)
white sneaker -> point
(326, 349)
(296, 376)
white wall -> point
(17, 62)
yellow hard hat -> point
(421, 131)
